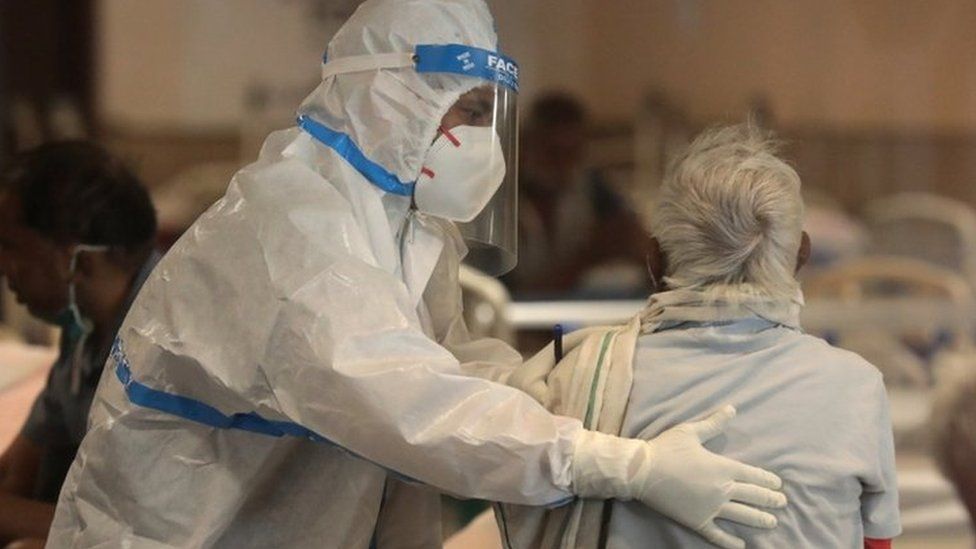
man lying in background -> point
(724, 329)
(77, 234)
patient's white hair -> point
(730, 217)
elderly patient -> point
(723, 329)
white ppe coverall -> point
(287, 303)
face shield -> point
(470, 173)
(478, 141)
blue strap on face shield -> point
(469, 61)
(490, 66)
(346, 148)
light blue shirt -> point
(815, 415)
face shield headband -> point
(492, 67)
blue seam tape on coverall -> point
(200, 412)
(346, 148)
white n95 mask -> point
(463, 169)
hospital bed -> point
(926, 226)
(822, 315)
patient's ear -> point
(803, 254)
(657, 264)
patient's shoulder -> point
(831, 359)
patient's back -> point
(815, 415)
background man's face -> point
(34, 266)
(563, 148)
(553, 154)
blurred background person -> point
(578, 235)
(953, 427)
(77, 234)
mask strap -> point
(83, 323)
(72, 267)
(450, 136)
(76, 355)
(363, 63)
(73, 264)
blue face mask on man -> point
(65, 320)
(74, 325)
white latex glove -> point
(677, 477)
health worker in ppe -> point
(296, 373)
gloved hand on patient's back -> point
(677, 477)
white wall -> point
(187, 64)
(549, 39)
(846, 63)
